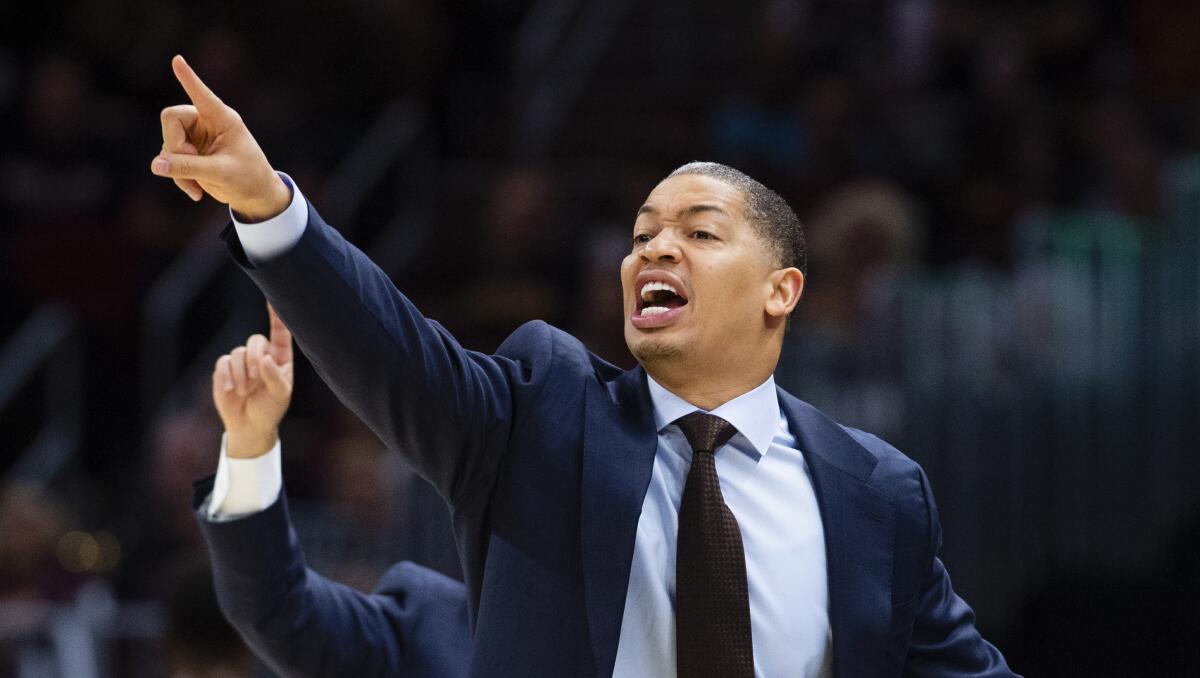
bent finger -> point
(256, 346)
(237, 365)
(190, 188)
(223, 374)
(209, 168)
(177, 121)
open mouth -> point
(658, 297)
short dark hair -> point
(775, 221)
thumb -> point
(278, 380)
(208, 168)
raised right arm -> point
(446, 409)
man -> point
(298, 622)
(683, 518)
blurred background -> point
(1003, 208)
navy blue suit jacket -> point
(413, 625)
(544, 453)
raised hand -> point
(252, 388)
(208, 149)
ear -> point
(787, 284)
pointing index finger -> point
(197, 91)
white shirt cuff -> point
(268, 239)
(245, 486)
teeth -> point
(654, 310)
(657, 285)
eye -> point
(641, 238)
(703, 235)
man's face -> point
(698, 276)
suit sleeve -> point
(944, 639)
(447, 410)
(302, 624)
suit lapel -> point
(859, 524)
(619, 442)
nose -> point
(662, 247)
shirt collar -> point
(755, 413)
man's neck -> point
(710, 393)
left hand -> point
(252, 388)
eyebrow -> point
(687, 211)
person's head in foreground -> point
(717, 265)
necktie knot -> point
(705, 432)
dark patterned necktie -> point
(712, 602)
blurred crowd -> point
(914, 138)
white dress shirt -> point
(765, 482)
(763, 478)
(245, 486)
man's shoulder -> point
(895, 472)
(430, 616)
(547, 351)
(882, 450)
(406, 578)
(891, 471)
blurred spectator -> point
(599, 309)
(60, 185)
(843, 350)
(370, 512)
(30, 569)
(184, 447)
(31, 573)
(1116, 145)
(360, 506)
(198, 642)
(519, 262)
(1164, 35)
(756, 124)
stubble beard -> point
(652, 352)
